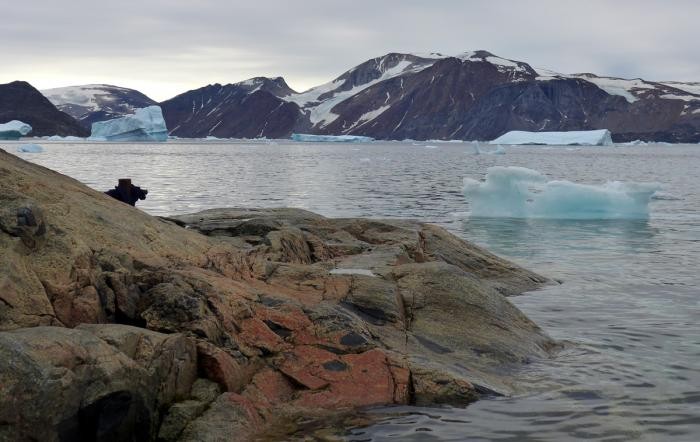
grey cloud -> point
(165, 47)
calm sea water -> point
(629, 302)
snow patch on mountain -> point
(680, 97)
(693, 88)
(87, 96)
(628, 89)
(619, 86)
(368, 116)
(320, 111)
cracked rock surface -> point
(229, 321)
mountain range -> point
(472, 96)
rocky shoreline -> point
(225, 324)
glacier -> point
(146, 124)
(518, 192)
(30, 148)
(331, 138)
(600, 137)
(14, 130)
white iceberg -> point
(14, 130)
(331, 138)
(60, 138)
(30, 148)
(599, 137)
(146, 124)
(517, 192)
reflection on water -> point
(628, 304)
(527, 237)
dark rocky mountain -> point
(97, 102)
(21, 101)
(253, 108)
(473, 96)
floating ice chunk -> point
(517, 192)
(500, 150)
(632, 143)
(331, 138)
(446, 141)
(14, 129)
(363, 272)
(146, 124)
(599, 137)
(30, 148)
(60, 138)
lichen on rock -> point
(227, 320)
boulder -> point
(63, 384)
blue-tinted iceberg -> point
(145, 124)
(14, 130)
(60, 138)
(517, 192)
(30, 148)
(331, 138)
(600, 137)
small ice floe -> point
(331, 138)
(632, 143)
(30, 148)
(500, 150)
(517, 192)
(363, 272)
(60, 138)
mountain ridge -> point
(19, 100)
(475, 95)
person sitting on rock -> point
(127, 192)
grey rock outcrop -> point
(115, 324)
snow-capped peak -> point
(84, 100)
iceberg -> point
(30, 148)
(14, 130)
(60, 138)
(331, 138)
(634, 143)
(500, 150)
(518, 192)
(146, 124)
(599, 137)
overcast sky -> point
(165, 47)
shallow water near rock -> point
(629, 303)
